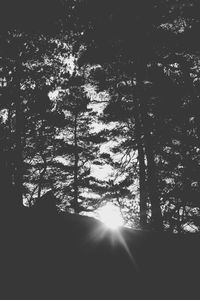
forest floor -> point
(75, 257)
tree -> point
(124, 54)
(78, 146)
(24, 43)
(108, 43)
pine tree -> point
(108, 42)
(80, 147)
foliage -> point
(140, 60)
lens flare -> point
(111, 232)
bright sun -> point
(110, 215)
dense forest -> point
(99, 106)
(106, 87)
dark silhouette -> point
(87, 85)
(78, 257)
(46, 204)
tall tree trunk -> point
(142, 167)
(42, 175)
(9, 142)
(5, 188)
(18, 136)
(143, 195)
(76, 159)
(157, 222)
(156, 214)
(5, 169)
(43, 156)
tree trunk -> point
(76, 159)
(43, 156)
(10, 151)
(156, 214)
(5, 187)
(18, 136)
(157, 222)
(142, 168)
(42, 176)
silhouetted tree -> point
(79, 147)
(169, 24)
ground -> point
(76, 257)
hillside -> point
(76, 257)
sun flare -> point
(110, 215)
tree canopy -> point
(87, 85)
